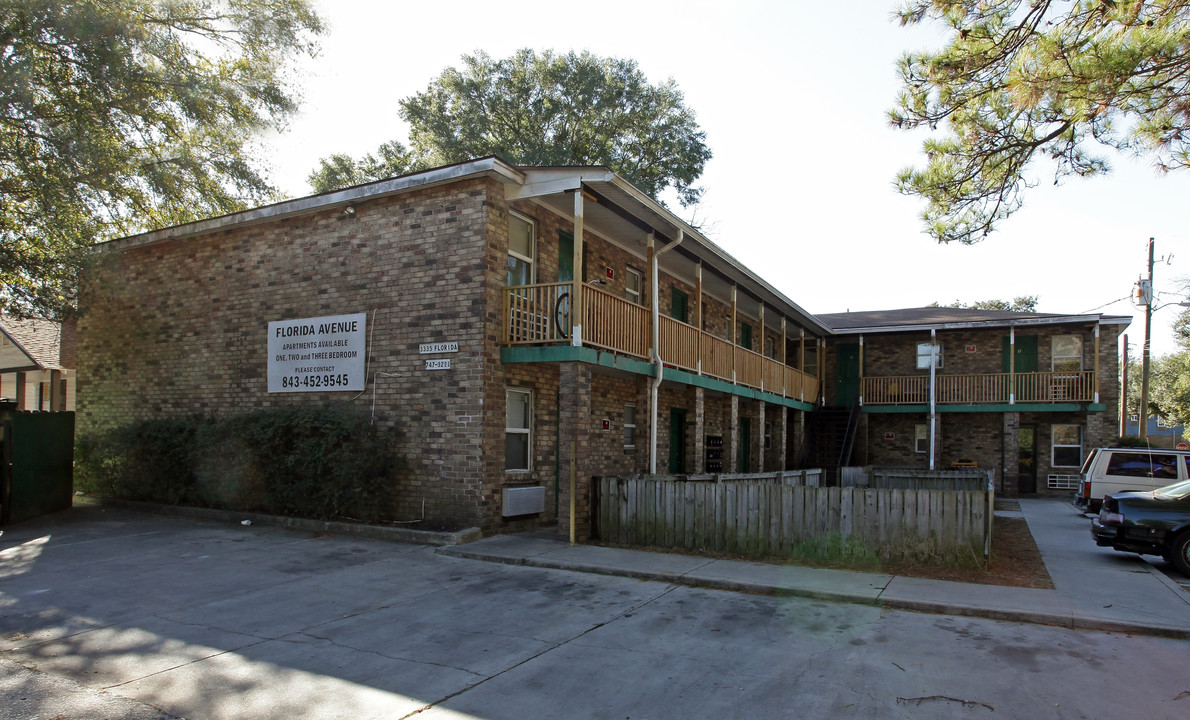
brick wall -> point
(179, 328)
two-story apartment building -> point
(499, 349)
(1023, 393)
(506, 356)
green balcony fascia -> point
(990, 407)
(592, 356)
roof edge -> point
(490, 166)
(1023, 322)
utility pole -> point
(1124, 390)
(1147, 296)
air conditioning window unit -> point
(524, 501)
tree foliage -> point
(340, 170)
(1023, 80)
(548, 109)
(118, 116)
(1020, 303)
(1169, 378)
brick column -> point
(733, 437)
(799, 435)
(698, 401)
(782, 434)
(758, 442)
(1012, 455)
(575, 422)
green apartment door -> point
(1025, 347)
(745, 449)
(677, 440)
(847, 375)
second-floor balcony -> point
(541, 314)
(981, 388)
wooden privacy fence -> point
(909, 478)
(767, 515)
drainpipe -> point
(655, 351)
(933, 407)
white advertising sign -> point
(318, 354)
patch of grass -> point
(835, 550)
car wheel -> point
(1179, 553)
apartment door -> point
(677, 440)
(1027, 460)
(745, 447)
(847, 375)
(1025, 348)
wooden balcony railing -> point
(541, 314)
(974, 389)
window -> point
(923, 355)
(1067, 354)
(629, 426)
(811, 365)
(1067, 443)
(768, 435)
(518, 430)
(634, 284)
(521, 250)
(1161, 466)
(921, 438)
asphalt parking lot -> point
(213, 621)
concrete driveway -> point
(218, 621)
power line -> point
(1113, 302)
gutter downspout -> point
(933, 406)
(655, 350)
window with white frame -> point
(629, 426)
(634, 285)
(518, 430)
(1067, 354)
(1066, 442)
(921, 438)
(522, 234)
(924, 350)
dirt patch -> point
(1016, 561)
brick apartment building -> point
(499, 350)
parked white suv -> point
(1114, 470)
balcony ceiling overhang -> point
(614, 208)
(1033, 320)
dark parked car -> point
(1151, 523)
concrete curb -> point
(374, 532)
(1035, 617)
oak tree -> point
(550, 109)
(118, 116)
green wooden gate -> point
(37, 476)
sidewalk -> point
(1094, 588)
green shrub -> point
(325, 462)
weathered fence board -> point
(771, 514)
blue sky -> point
(793, 97)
